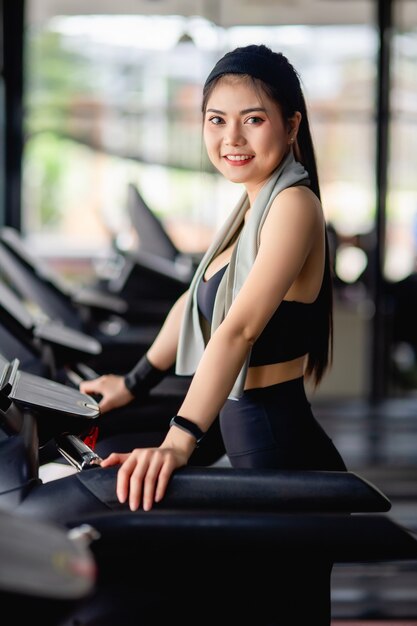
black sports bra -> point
(286, 336)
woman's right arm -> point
(161, 355)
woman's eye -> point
(254, 120)
(215, 120)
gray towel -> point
(191, 340)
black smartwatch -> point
(188, 426)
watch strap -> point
(188, 426)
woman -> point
(257, 319)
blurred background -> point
(97, 96)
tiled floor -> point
(380, 444)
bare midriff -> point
(266, 375)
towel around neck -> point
(191, 343)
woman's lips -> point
(237, 160)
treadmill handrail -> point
(255, 490)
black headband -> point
(250, 61)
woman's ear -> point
(293, 126)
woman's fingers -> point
(115, 458)
(112, 390)
(164, 476)
(144, 475)
(89, 386)
(133, 474)
(105, 403)
(159, 461)
(97, 388)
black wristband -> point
(143, 377)
(188, 426)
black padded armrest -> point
(276, 490)
(254, 490)
(208, 491)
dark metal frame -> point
(13, 46)
(379, 365)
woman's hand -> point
(144, 474)
(112, 390)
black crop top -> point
(286, 336)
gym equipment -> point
(132, 297)
(55, 345)
(54, 408)
(45, 570)
(259, 543)
(122, 341)
(153, 238)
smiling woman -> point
(248, 336)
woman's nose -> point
(234, 136)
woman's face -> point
(245, 134)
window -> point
(401, 230)
(116, 99)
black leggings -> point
(274, 427)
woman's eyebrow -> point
(253, 110)
(243, 112)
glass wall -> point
(401, 229)
(113, 100)
(402, 200)
(116, 99)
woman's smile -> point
(237, 160)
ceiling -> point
(224, 13)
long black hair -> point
(274, 74)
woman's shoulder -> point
(298, 193)
(298, 200)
